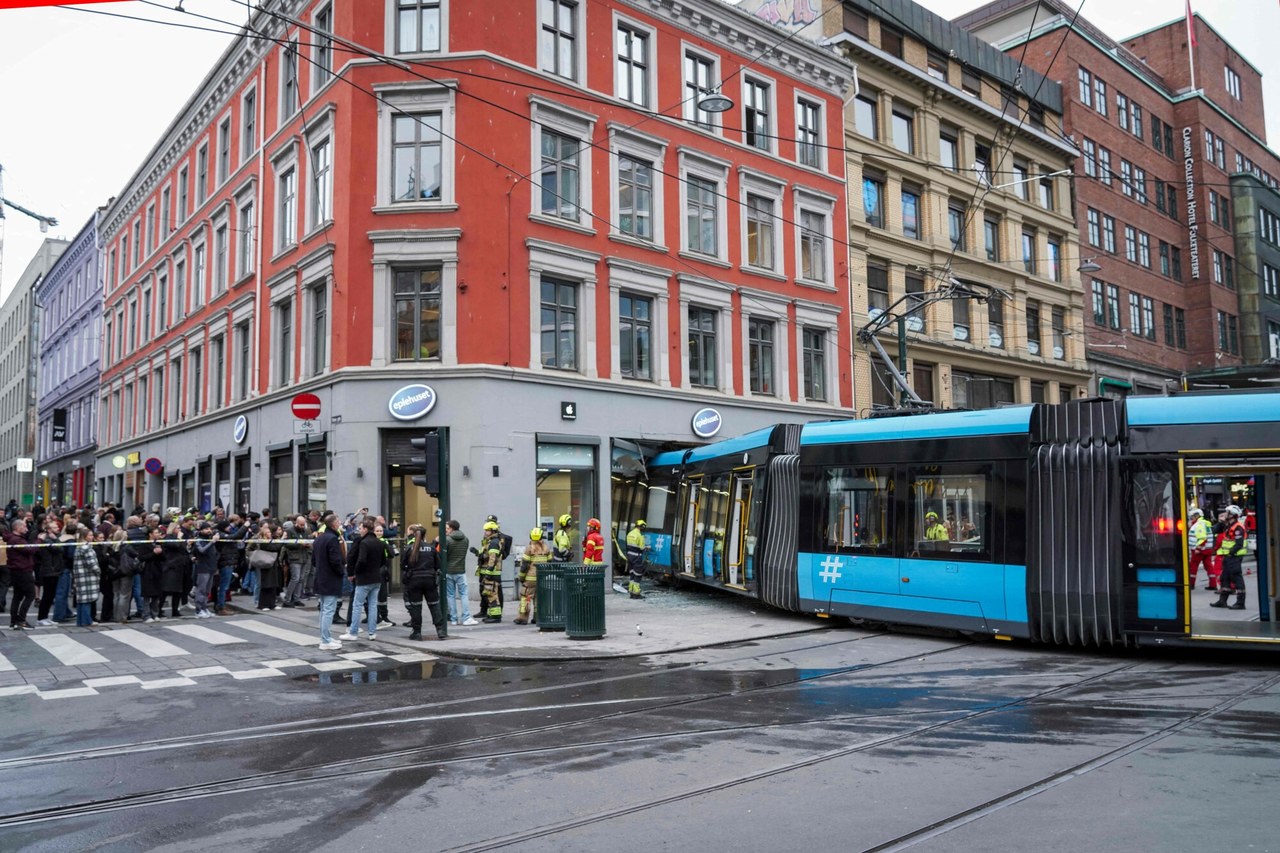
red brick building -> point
(509, 219)
(1173, 193)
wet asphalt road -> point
(841, 739)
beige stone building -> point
(958, 172)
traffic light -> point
(429, 461)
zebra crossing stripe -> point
(335, 665)
(278, 633)
(112, 681)
(204, 670)
(68, 693)
(361, 655)
(5, 666)
(255, 673)
(68, 651)
(205, 635)
(149, 645)
(162, 683)
(18, 690)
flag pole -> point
(1191, 45)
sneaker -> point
(45, 623)
(348, 637)
(331, 646)
(471, 621)
(383, 623)
(149, 620)
(275, 607)
(373, 636)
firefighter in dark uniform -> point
(1235, 544)
(635, 557)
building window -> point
(1029, 250)
(1168, 324)
(320, 327)
(1099, 304)
(1094, 227)
(320, 208)
(202, 174)
(903, 127)
(1144, 249)
(760, 355)
(1109, 233)
(890, 41)
(814, 352)
(960, 319)
(242, 361)
(1104, 166)
(1058, 326)
(224, 150)
(244, 241)
(760, 218)
(284, 352)
(949, 148)
(635, 197)
(162, 306)
(289, 80)
(632, 75)
(1021, 180)
(1090, 150)
(1122, 111)
(558, 46)
(855, 22)
(982, 162)
(808, 134)
(955, 225)
(1180, 326)
(991, 237)
(1100, 96)
(970, 81)
(1126, 178)
(873, 199)
(220, 250)
(1131, 244)
(635, 336)
(813, 246)
(418, 26)
(249, 124)
(698, 81)
(1113, 306)
(702, 216)
(1164, 258)
(1148, 318)
(287, 209)
(147, 331)
(702, 347)
(416, 166)
(417, 312)
(559, 324)
(915, 302)
(1055, 258)
(198, 293)
(195, 358)
(179, 291)
(183, 209)
(877, 288)
(217, 373)
(1271, 281)
(1033, 327)
(911, 212)
(937, 64)
(1137, 121)
(755, 97)
(1086, 86)
(560, 176)
(866, 116)
(1046, 192)
(323, 32)
(995, 322)
(1135, 317)
(1232, 82)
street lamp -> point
(1089, 265)
(715, 102)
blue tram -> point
(1052, 523)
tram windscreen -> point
(1156, 534)
(857, 512)
(950, 514)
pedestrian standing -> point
(21, 574)
(297, 554)
(176, 566)
(47, 561)
(593, 544)
(420, 574)
(62, 611)
(635, 558)
(1235, 544)
(454, 550)
(390, 552)
(85, 574)
(1200, 538)
(490, 572)
(122, 574)
(205, 552)
(152, 574)
(364, 568)
(330, 574)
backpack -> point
(506, 544)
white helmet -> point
(1196, 511)
(1235, 510)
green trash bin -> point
(584, 608)
(548, 602)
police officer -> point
(1235, 544)
(635, 557)
(561, 542)
(490, 572)
(535, 554)
(1200, 537)
(593, 544)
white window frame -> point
(826, 317)
(799, 98)
(752, 182)
(416, 99)
(579, 40)
(283, 290)
(316, 275)
(391, 47)
(281, 164)
(247, 145)
(642, 280)
(320, 76)
(815, 201)
(220, 279)
(215, 386)
(624, 141)
(392, 249)
(197, 292)
(572, 265)
(771, 132)
(575, 124)
(713, 295)
(714, 124)
(320, 132)
(650, 59)
(246, 242)
(291, 42)
(222, 172)
(763, 305)
(715, 170)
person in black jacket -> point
(330, 573)
(364, 567)
(420, 573)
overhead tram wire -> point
(249, 32)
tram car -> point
(1054, 523)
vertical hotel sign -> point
(1193, 229)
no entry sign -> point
(306, 407)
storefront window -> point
(281, 498)
(315, 477)
(566, 484)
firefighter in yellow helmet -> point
(635, 557)
(489, 571)
(535, 553)
(593, 544)
(562, 541)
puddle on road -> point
(421, 671)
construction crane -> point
(45, 221)
(900, 311)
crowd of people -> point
(101, 565)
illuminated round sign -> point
(240, 430)
(706, 423)
(412, 402)
(118, 461)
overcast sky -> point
(85, 96)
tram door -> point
(734, 567)
(689, 525)
(1153, 546)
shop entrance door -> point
(734, 571)
(566, 485)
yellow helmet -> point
(930, 514)
(566, 520)
(641, 523)
(491, 525)
(535, 535)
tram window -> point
(858, 502)
(951, 515)
(1155, 526)
(656, 512)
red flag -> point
(1191, 27)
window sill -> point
(706, 259)
(557, 222)
(762, 272)
(292, 247)
(415, 207)
(243, 280)
(323, 226)
(816, 285)
(628, 240)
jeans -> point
(366, 600)
(203, 582)
(328, 604)
(84, 617)
(138, 601)
(224, 585)
(61, 605)
(250, 583)
(456, 593)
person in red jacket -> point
(593, 544)
(22, 576)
